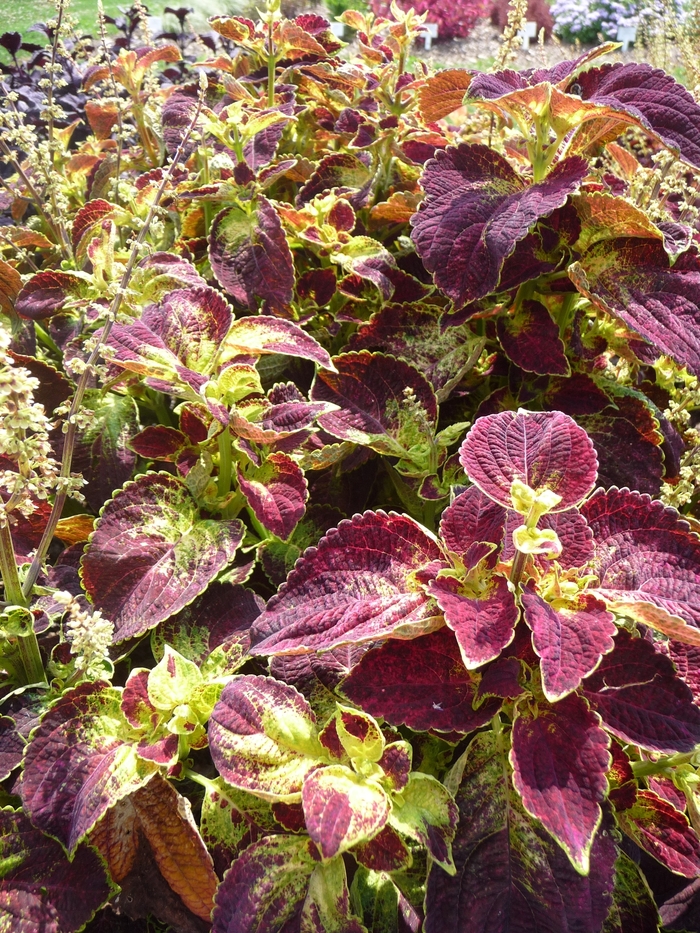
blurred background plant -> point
(454, 18)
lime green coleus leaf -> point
(426, 811)
(381, 904)
(230, 819)
(327, 905)
(264, 739)
(359, 734)
(80, 761)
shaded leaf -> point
(640, 699)
(511, 877)
(633, 909)
(265, 886)
(413, 334)
(531, 340)
(40, 890)
(421, 683)
(383, 403)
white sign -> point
(529, 32)
(627, 35)
(430, 32)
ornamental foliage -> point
(348, 519)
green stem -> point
(647, 768)
(27, 645)
(271, 67)
(145, 135)
(225, 463)
(8, 567)
(516, 571)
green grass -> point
(19, 15)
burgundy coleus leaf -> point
(342, 809)
(664, 832)
(46, 293)
(78, 764)
(477, 208)
(530, 338)
(633, 280)
(570, 639)
(159, 442)
(653, 98)
(250, 256)
(413, 334)
(41, 891)
(277, 492)
(511, 876)
(544, 450)
(386, 852)
(560, 757)
(151, 553)
(362, 583)
(263, 737)
(421, 683)
(647, 561)
(686, 659)
(383, 403)
(11, 747)
(266, 886)
(637, 694)
(179, 338)
(472, 527)
(482, 616)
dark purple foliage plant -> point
(349, 509)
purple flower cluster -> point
(585, 21)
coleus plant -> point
(419, 353)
